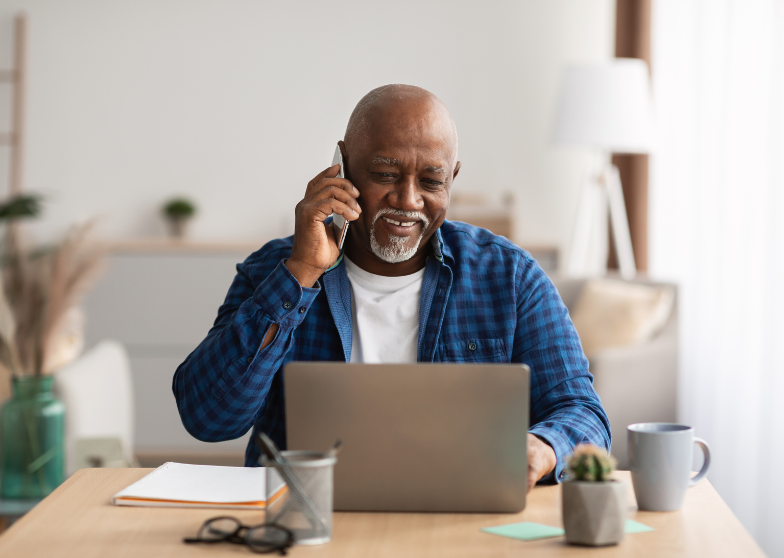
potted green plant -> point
(178, 212)
(594, 505)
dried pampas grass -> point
(39, 291)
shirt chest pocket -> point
(473, 350)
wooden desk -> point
(78, 520)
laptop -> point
(416, 437)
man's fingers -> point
(342, 183)
(342, 209)
(319, 211)
(334, 191)
(329, 172)
(532, 478)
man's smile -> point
(397, 227)
(400, 223)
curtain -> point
(717, 228)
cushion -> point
(614, 313)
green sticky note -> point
(525, 531)
(636, 527)
(530, 531)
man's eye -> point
(385, 175)
(432, 184)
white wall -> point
(154, 307)
(238, 103)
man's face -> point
(404, 172)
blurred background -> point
(239, 104)
(189, 130)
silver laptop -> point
(416, 437)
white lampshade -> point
(606, 106)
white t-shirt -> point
(384, 315)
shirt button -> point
(287, 305)
(302, 309)
(249, 359)
(472, 346)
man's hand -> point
(315, 248)
(541, 460)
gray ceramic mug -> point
(660, 455)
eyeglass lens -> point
(219, 528)
(268, 537)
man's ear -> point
(342, 146)
(344, 154)
(457, 170)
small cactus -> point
(590, 463)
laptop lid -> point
(416, 437)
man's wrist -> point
(304, 273)
(561, 446)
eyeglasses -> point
(263, 538)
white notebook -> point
(203, 486)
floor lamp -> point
(605, 107)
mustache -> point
(400, 213)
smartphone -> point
(339, 222)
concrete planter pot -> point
(178, 227)
(594, 513)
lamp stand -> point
(598, 196)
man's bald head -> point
(387, 101)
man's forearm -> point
(565, 410)
(223, 383)
(213, 405)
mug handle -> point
(705, 463)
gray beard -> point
(396, 251)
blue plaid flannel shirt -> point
(478, 289)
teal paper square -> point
(530, 531)
(636, 527)
(525, 531)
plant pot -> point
(33, 428)
(178, 226)
(594, 513)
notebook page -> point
(200, 483)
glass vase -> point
(32, 428)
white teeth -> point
(398, 223)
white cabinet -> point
(160, 301)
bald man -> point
(421, 289)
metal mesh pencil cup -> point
(306, 506)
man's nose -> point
(406, 195)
